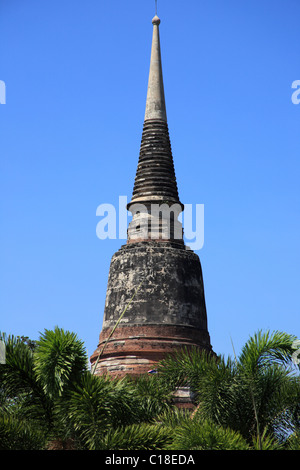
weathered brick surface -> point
(137, 349)
(168, 312)
(172, 289)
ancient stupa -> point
(155, 301)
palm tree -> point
(49, 396)
(50, 399)
(34, 377)
(256, 394)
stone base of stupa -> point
(167, 313)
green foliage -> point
(59, 359)
(266, 442)
(45, 386)
(197, 434)
(154, 395)
(192, 432)
(257, 394)
(48, 396)
(142, 436)
(29, 388)
(22, 394)
(17, 373)
(98, 407)
(93, 406)
(293, 441)
(264, 349)
(16, 434)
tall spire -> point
(155, 177)
(155, 104)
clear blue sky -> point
(76, 77)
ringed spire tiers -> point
(155, 177)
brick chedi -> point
(155, 301)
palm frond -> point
(265, 348)
(16, 434)
(142, 436)
(59, 358)
(198, 434)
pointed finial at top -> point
(156, 20)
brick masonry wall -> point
(167, 313)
